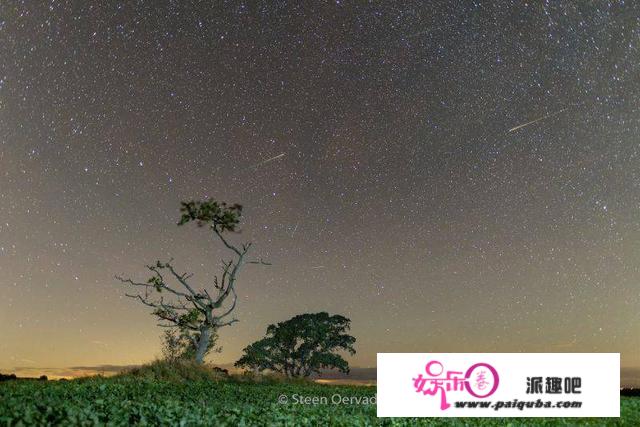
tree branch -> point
(260, 261)
(182, 279)
(231, 322)
(233, 306)
(224, 241)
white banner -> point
(498, 385)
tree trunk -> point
(203, 344)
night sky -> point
(377, 150)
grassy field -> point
(130, 400)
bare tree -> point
(194, 311)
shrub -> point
(176, 371)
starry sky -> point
(452, 176)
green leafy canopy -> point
(219, 215)
(301, 346)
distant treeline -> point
(11, 377)
(630, 392)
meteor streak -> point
(269, 160)
(535, 121)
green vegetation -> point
(178, 371)
(138, 398)
(301, 346)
